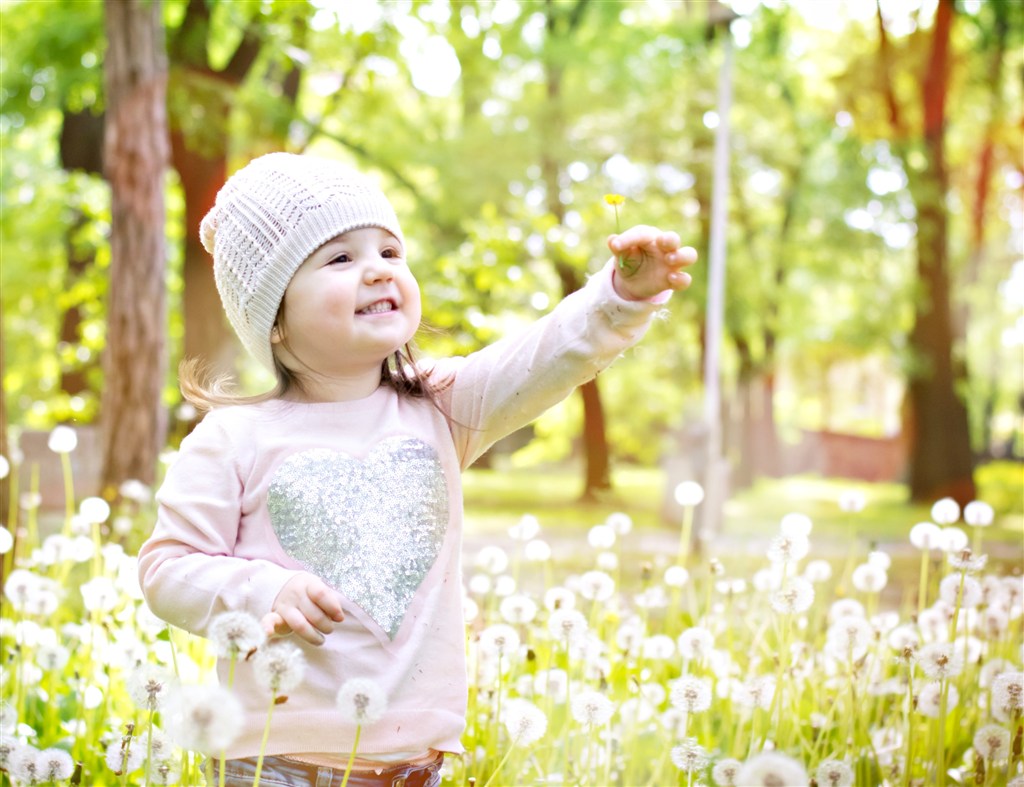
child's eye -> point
(390, 253)
(339, 258)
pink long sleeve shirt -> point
(367, 495)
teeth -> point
(378, 307)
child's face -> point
(350, 305)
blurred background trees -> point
(875, 276)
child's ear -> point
(275, 335)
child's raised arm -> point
(649, 262)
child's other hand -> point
(305, 606)
(654, 262)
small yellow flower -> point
(614, 199)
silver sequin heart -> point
(372, 528)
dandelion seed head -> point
(658, 647)
(361, 701)
(818, 571)
(848, 637)
(965, 561)
(689, 494)
(5, 466)
(725, 771)
(690, 694)
(525, 722)
(952, 539)
(992, 742)
(559, 598)
(979, 513)
(592, 708)
(1008, 693)
(95, 510)
(845, 607)
(770, 769)
(904, 638)
(527, 528)
(62, 440)
(834, 773)
(552, 683)
(6, 541)
(202, 718)
(601, 537)
(235, 633)
(9, 748)
(470, 609)
(55, 765)
(689, 756)
(148, 685)
(620, 523)
(676, 576)
(788, 549)
(950, 591)
(480, 584)
(607, 561)
(499, 639)
(596, 586)
(568, 625)
(279, 668)
(537, 551)
(796, 525)
(492, 559)
(518, 608)
(797, 596)
(124, 757)
(929, 699)
(695, 643)
(940, 661)
(926, 536)
(99, 594)
(868, 578)
(882, 560)
(767, 580)
(757, 692)
(945, 511)
(852, 501)
(164, 772)
(504, 585)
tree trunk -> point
(941, 463)
(135, 155)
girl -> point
(331, 508)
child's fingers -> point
(668, 241)
(297, 622)
(274, 625)
(326, 600)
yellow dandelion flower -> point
(614, 199)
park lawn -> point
(496, 499)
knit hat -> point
(268, 218)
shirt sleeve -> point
(504, 386)
(187, 568)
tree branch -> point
(885, 58)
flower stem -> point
(352, 756)
(263, 745)
(922, 588)
(491, 779)
(231, 681)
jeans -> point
(279, 772)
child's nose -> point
(378, 269)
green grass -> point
(496, 499)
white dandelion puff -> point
(848, 637)
(929, 699)
(52, 656)
(926, 536)
(361, 701)
(149, 684)
(797, 596)
(796, 525)
(6, 541)
(771, 769)
(992, 742)
(592, 708)
(758, 692)
(62, 440)
(869, 578)
(601, 537)
(568, 625)
(690, 694)
(834, 773)
(518, 608)
(492, 559)
(788, 549)
(596, 586)
(945, 511)
(676, 576)
(852, 501)
(1008, 694)
(526, 529)
(957, 588)
(202, 718)
(95, 510)
(537, 551)
(235, 634)
(124, 755)
(26, 767)
(725, 771)
(818, 571)
(953, 539)
(9, 748)
(279, 668)
(658, 647)
(99, 594)
(979, 513)
(619, 522)
(55, 765)
(164, 772)
(940, 661)
(695, 643)
(499, 639)
(525, 722)
(689, 756)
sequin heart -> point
(371, 528)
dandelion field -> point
(678, 669)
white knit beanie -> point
(268, 218)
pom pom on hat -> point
(268, 218)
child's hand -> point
(305, 606)
(653, 262)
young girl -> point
(331, 508)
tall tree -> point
(940, 449)
(135, 159)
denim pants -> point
(280, 772)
